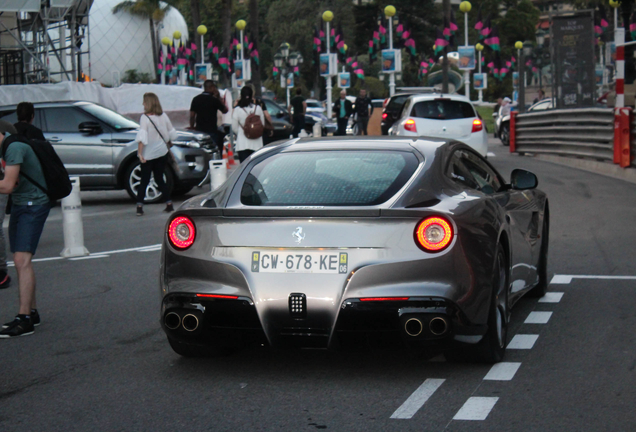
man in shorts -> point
(30, 208)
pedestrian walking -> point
(29, 210)
(342, 109)
(364, 109)
(154, 140)
(204, 110)
(24, 126)
(244, 119)
(298, 108)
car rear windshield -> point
(443, 109)
(328, 178)
(396, 103)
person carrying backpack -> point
(29, 210)
(248, 121)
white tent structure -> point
(75, 40)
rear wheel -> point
(153, 194)
(542, 269)
(504, 134)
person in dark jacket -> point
(24, 126)
(364, 109)
(342, 110)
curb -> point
(602, 168)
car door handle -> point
(55, 139)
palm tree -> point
(154, 10)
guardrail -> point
(582, 133)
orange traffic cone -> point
(230, 155)
(227, 161)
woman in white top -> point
(155, 138)
(245, 107)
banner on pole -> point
(391, 60)
(290, 80)
(202, 72)
(466, 57)
(328, 65)
(344, 80)
(480, 81)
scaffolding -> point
(44, 41)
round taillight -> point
(181, 232)
(434, 234)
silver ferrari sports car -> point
(336, 242)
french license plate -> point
(300, 262)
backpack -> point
(253, 127)
(58, 184)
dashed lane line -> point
(551, 297)
(503, 371)
(567, 279)
(419, 397)
(523, 341)
(150, 248)
(538, 318)
(476, 408)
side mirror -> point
(522, 180)
(91, 128)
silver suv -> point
(98, 145)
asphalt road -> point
(99, 361)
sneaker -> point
(140, 210)
(169, 208)
(5, 281)
(35, 319)
(19, 327)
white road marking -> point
(417, 399)
(476, 408)
(503, 371)
(88, 257)
(491, 154)
(567, 279)
(523, 341)
(150, 248)
(538, 318)
(551, 297)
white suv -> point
(442, 116)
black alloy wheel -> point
(153, 194)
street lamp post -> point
(521, 99)
(389, 12)
(285, 62)
(465, 7)
(202, 30)
(327, 16)
(479, 47)
(165, 44)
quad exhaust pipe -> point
(173, 321)
(437, 326)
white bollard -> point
(317, 131)
(72, 223)
(218, 173)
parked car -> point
(448, 116)
(543, 104)
(327, 243)
(314, 106)
(98, 145)
(392, 107)
(283, 127)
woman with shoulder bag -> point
(245, 107)
(155, 138)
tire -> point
(504, 134)
(153, 195)
(492, 347)
(196, 351)
(542, 269)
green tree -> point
(153, 10)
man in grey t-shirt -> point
(29, 211)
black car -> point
(283, 126)
(392, 110)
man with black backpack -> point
(29, 210)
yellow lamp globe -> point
(240, 25)
(201, 30)
(327, 16)
(390, 11)
(166, 40)
(176, 35)
(519, 45)
(479, 47)
(465, 6)
(239, 47)
(346, 47)
(614, 3)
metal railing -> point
(582, 133)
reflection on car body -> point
(336, 242)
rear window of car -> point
(328, 178)
(443, 109)
(396, 103)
